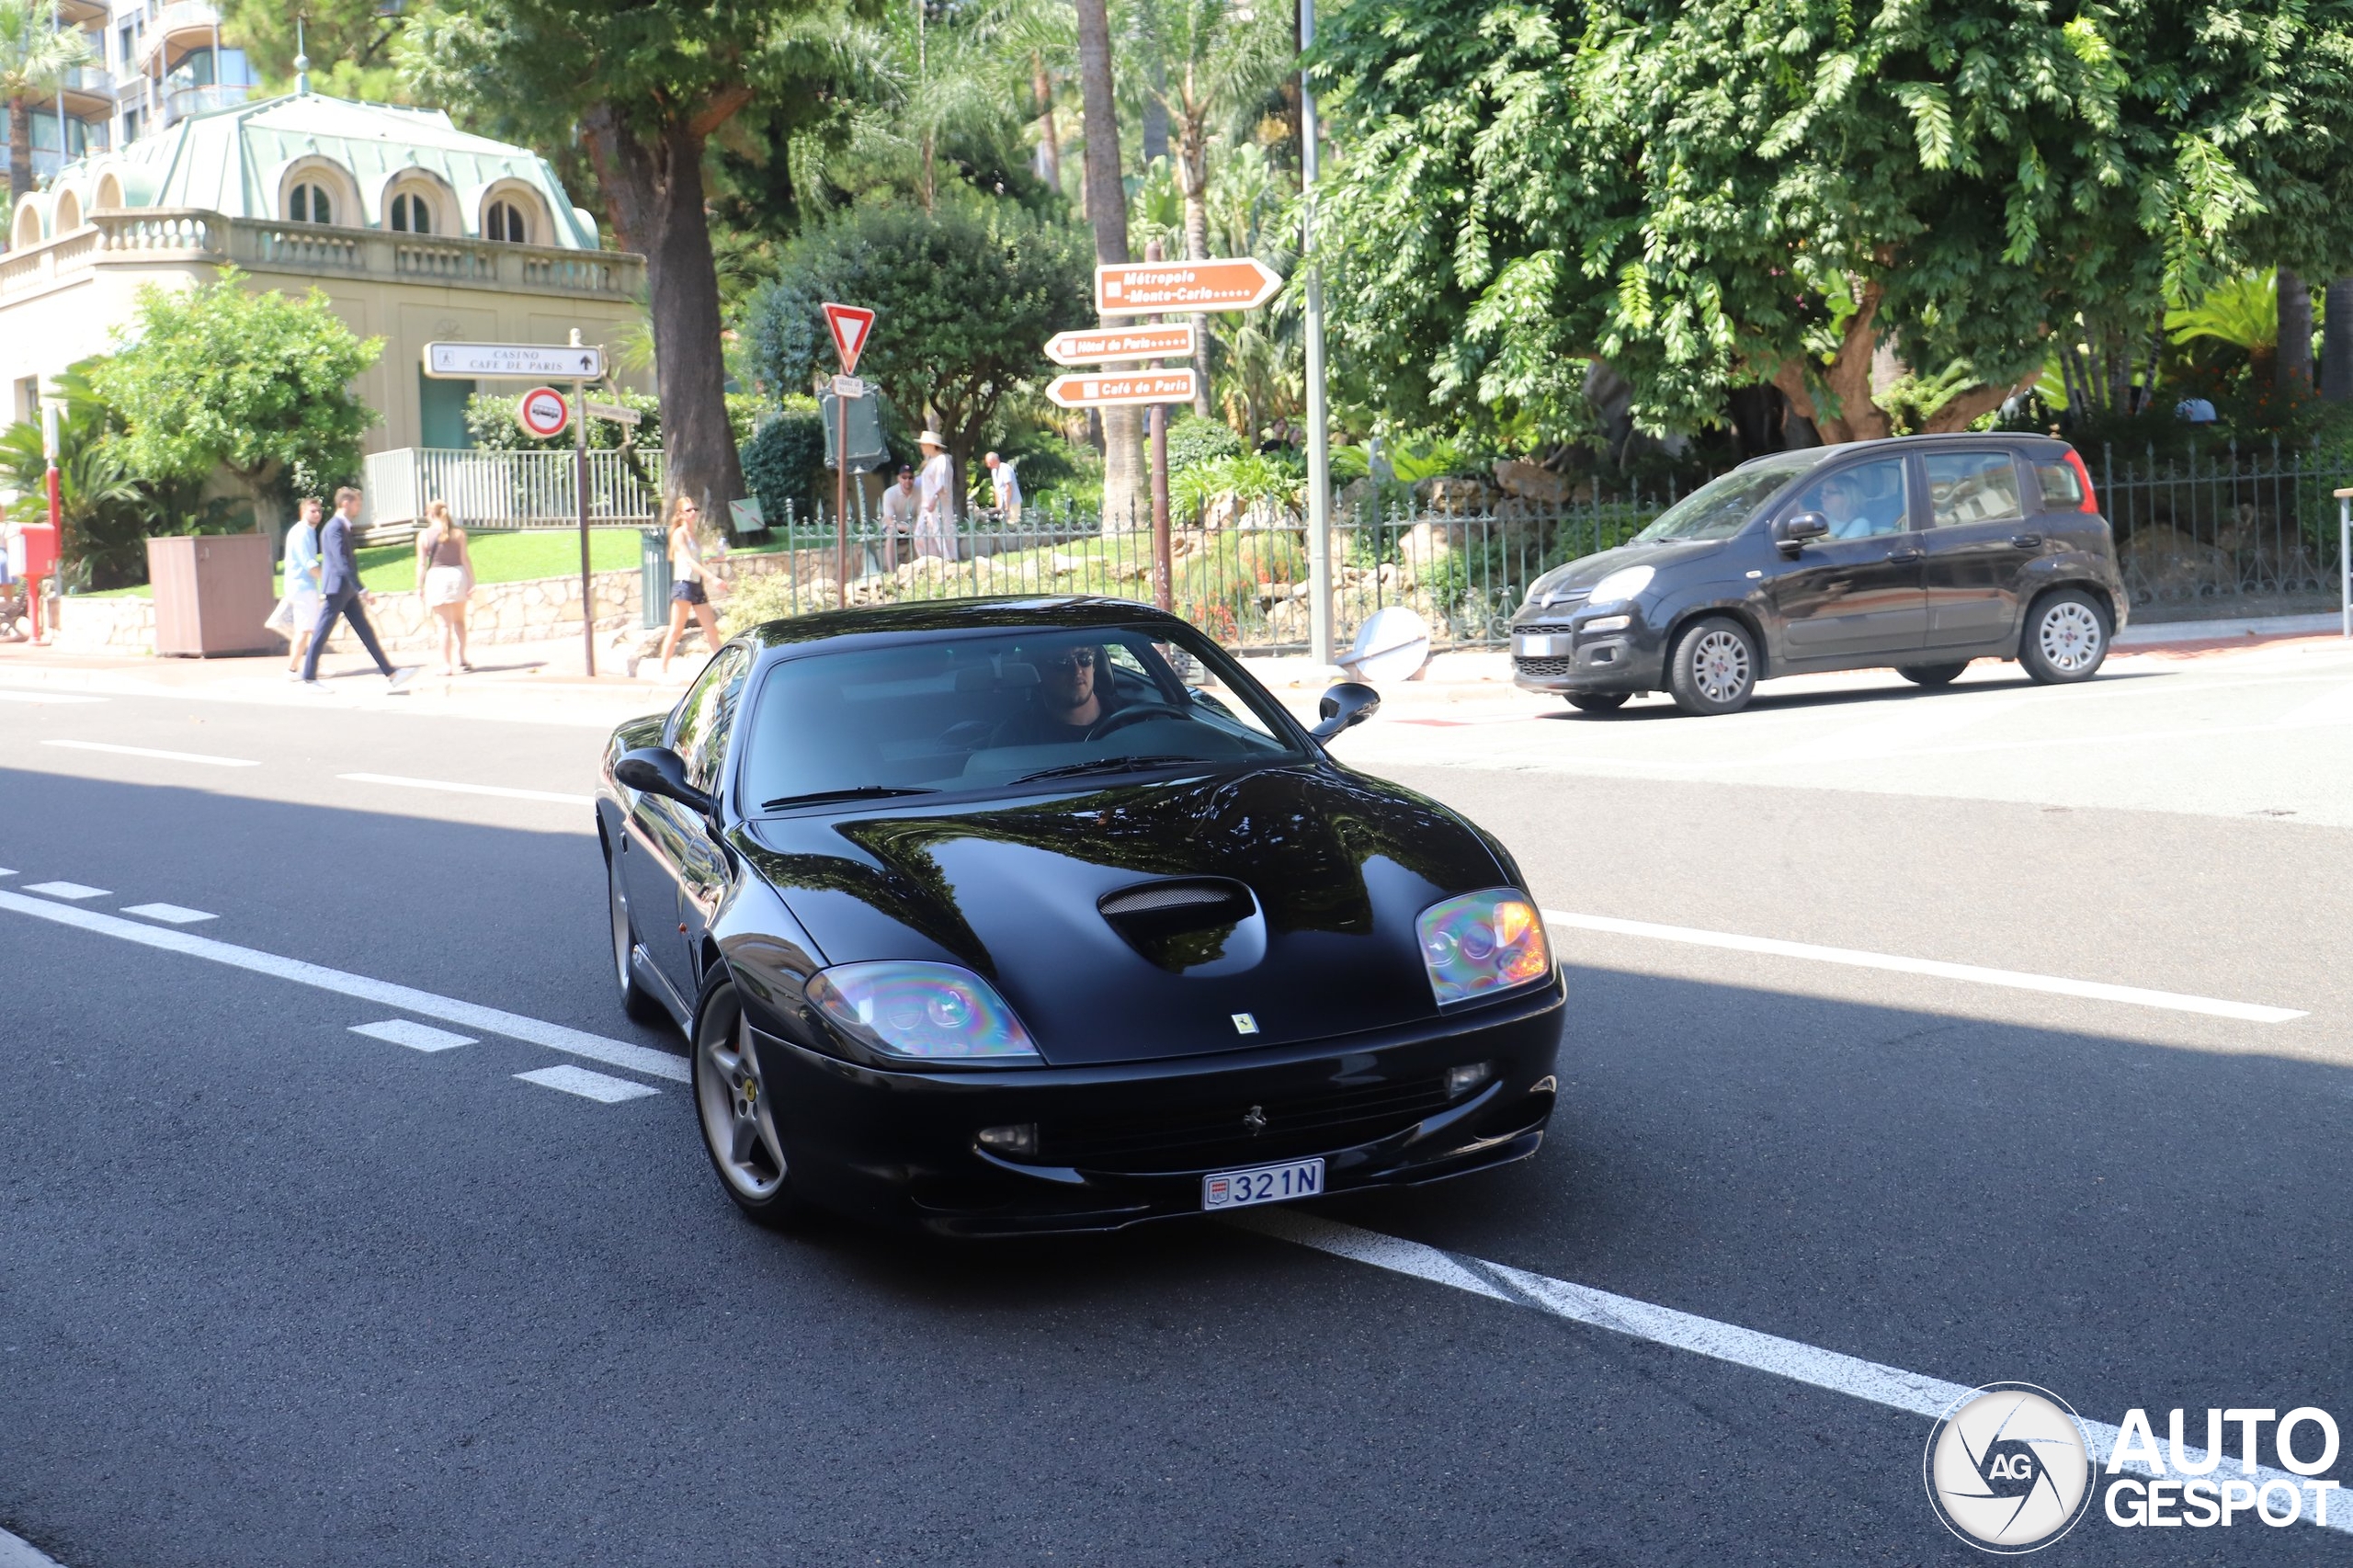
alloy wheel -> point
(738, 1119)
(1719, 666)
(2069, 636)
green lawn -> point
(499, 558)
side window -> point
(1972, 487)
(1861, 502)
(706, 714)
(2062, 491)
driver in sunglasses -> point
(1073, 693)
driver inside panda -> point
(1075, 691)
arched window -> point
(307, 203)
(411, 214)
(507, 224)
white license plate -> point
(1552, 647)
(1262, 1184)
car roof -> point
(1064, 612)
(1976, 438)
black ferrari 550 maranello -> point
(1016, 915)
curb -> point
(17, 1552)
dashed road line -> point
(173, 914)
(47, 699)
(205, 757)
(415, 1036)
(444, 787)
(384, 993)
(587, 1084)
(66, 890)
(1975, 974)
(1893, 1387)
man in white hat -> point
(935, 514)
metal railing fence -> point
(2232, 525)
(511, 490)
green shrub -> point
(1193, 440)
(763, 599)
(785, 461)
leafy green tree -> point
(254, 381)
(964, 296)
(491, 425)
(34, 57)
(349, 43)
(644, 87)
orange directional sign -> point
(1152, 286)
(1122, 387)
(1121, 343)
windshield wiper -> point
(855, 792)
(1106, 764)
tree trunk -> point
(1847, 377)
(1107, 212)
(1964, 407)
(20, 160)
(2337, 341)
(656, 195)
(1192, 179)
(1050, 145)
(2294, 370)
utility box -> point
(213, 594)
(653, 575)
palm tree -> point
(34, 57)
(1107, 213)
(1212, 59)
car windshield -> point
(992, 708)
(1718, 508)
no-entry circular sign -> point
(542, 411)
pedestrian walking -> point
(687, 593)
(445, 581)
(936, 504)
(341, 594)
(1005, 487)
(900, 507)
(298, 611)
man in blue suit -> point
(340, 594)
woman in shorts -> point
(445, 581)
(687, 593)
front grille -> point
(1206, 1137)
(1544, 666)
(1543, 628)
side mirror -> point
(658, 770)
(1346, 705)
(1794, 531)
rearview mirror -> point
(658, 770)
(1794, 531)
(1346, 705)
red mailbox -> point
(40, 561)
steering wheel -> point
(1135, 713)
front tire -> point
(736, 1110)
(1598, 701)
(636, 1001)
(1713, 668)
(2065, 639)
(1932, 676)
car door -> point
(669, 842)
(1979, 542)
(1856, 592)
(703, 866)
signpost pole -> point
(49, 417)
(1163, 591)
(1319, 471)
(580, 502)
(841, 502)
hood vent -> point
(1190, 926)
(1170, 898)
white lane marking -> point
(17, 1552)
(448, 788)
(415, 1036)
(66, 890)
(1976, 974)
(407, 998)
(47, 699)
(177, 915)
(1912, 1393)
(5, 871)
(109, 746)
(587, 1084)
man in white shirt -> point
(900, 507)
(935, 514)
(1006, 486)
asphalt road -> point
(272, 1291)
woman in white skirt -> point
(445, 580)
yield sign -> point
(849, 324)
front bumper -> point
(1562, 655)
(1125, 1143)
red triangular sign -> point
(849, 324)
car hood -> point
(1338, 866)
(1578, 576)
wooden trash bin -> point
(213, 594)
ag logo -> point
(2008, 1469)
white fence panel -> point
(512, 490)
